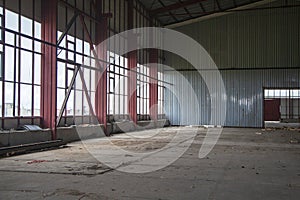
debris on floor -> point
(36, 161)
(208, 126)
(239, 155)
(294, 141)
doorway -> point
(282, 107)
(272, 110)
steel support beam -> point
(175, 6)
(132, 65)
(218, 4)
(101, 78)
(170, 13)
(49, 71)
(70, 88)
(108, 15)
(132, 79)
(87, 95)
(69, 25)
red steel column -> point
(49, 72)
(101, 78)
(153, 84)
(132, 64)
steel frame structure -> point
(55, 53)
(49, 70)
(180, 11)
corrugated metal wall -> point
(242, 45)
(244, 96)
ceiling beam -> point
(167, 10)
(202, 7)
(247, 6)
(218, 4)
(174, 6)
(186, 10)
(148, 12)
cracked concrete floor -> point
(245, 164)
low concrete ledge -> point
(75, 133)
(83, 132)
(14, 138)
(129, 126)
(121, 127)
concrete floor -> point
(281, 125)
(245, 164)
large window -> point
(143, 91)
(75, 51)
(1, 46)
(161, 111)
(21, 54)
(20, 61)
(117, 80)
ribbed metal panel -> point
(243, 45)
(244, 96)
(259, 38)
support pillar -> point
(132, 65)
(49, 71)
(101, 77)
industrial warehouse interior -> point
(149, 99)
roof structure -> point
(170, 12)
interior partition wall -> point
(253, 50)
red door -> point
(272, 109)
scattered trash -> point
(36, 161)
(95, 167)
(257, 133)
(294, 141)
(31, 128)
(10, 154)
(208, 126)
